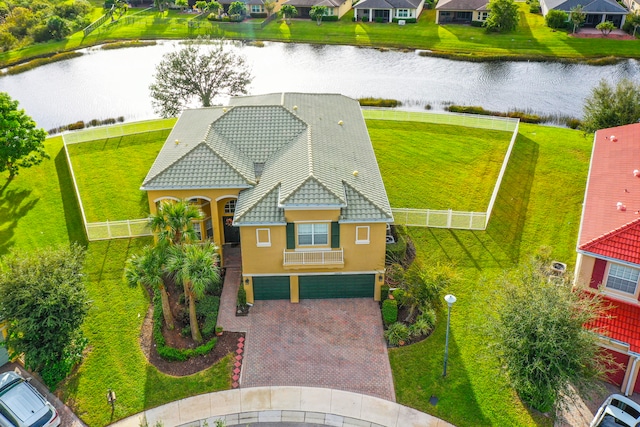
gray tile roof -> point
(310, 3)
(388, 4)
(314, 147)
(462, 5)
(589, 6)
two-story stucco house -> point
(609, 245)
(294, 180)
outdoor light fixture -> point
(111, 398)
(380, 277)
(450, 299)
(246, 281)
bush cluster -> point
(133, 43)
(170, 353)
(81, 124)
(396, 251)
(207, 310)
(523, 116)
(389, 311)
(557, 19)
(379, 102)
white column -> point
(370, 15)
(390, 15)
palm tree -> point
(173, 223)
(148, 270)
(195, 268)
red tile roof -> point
(622, 243)
(605, 229)
(620, 322)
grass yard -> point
(531, 40)
(38, 208)
(109, 173)
(539, 204)
(434, 166)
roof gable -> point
(265, 210)
(199, 168)
(592, 6)
(622, 244)
(360, 208)
(621, 322)
(387, 4)
(462, 5)
(312, 192)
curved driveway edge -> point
(273, 404)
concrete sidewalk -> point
(285, 404)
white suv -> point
(21, 405)
(617, 411)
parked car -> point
(617, 411)
(21, 405)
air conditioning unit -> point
(401, 22)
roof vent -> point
(613, 138)
(636, 173)
(340, 122)
(621, 207)
(355, 173)
(224, 110)
(177, 141)
(295, 107)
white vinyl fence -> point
(449, 218)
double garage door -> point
(315, 287)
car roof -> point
(621, 414)
(7, 379)
(24, 402)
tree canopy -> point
(197, 72)
(317, 12)
(43, 299)
(607, 106)
(503, 16)
(21, 143)
(540, 339)
(577, 16)
(288, 11)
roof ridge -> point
(173, 163)
(320, 183)
(257, 202)
(363, 196)
(611, 233)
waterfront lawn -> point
(539, 204)
(532, 39)
(435, 166)
(109, 173)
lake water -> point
(112, 83)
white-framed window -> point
(263, 237)
(198, 230)
(256, 8)
(622, 278)
(329, 12)
(230, 206)
(482, 16)
(311, 234)
(402, 13)
(208, 224)
(362, 235)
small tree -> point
(173, 222)
(503, 16)
(214, 7)
(556, 19)
(634, 20)
(202, 5)
(606, 27)
(607, 107)
(161, 4)
(44, 301)
(21, 144)
(577, 16)
(540, 339)
(288, 11)
(237, 8)
(193, 72)
(317, 12)
(269, 5)
(423, 286)
(58, 27)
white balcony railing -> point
(315, 257)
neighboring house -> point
(387, 10)
(461, 11)
(253, 6)
(632, 5)
(334, 7)
(609, 245)
(294, 180)
(597, 10)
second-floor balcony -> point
(314, 258)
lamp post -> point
(450, 299)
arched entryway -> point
(231, 232)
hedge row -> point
(524, 117)
(21, 68)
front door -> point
(231, 233)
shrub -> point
(556, 19)
(394, 274)
(242, 296)
(389, 311)
(428, 316)
(397, 333)
(235, 18)
(399, 295)
(379, 20)
(573, 123)
(534, 7)
(396, 251)
(258, 14)
(77, 125)
(384, 292)
(476, 23)
(186, 331)
(379, 102)
(365, 19)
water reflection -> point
(114, 83)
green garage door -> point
(271, 287)
(339, 286)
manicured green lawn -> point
(430, 166)
(532, 39)
(539, 204)
(109, 173)
(38, 208)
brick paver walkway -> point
(333, 343)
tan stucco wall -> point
(584, 268)
(343, 8)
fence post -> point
(108, 229)
(449, 218)
(427, 217)
(129, 227)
